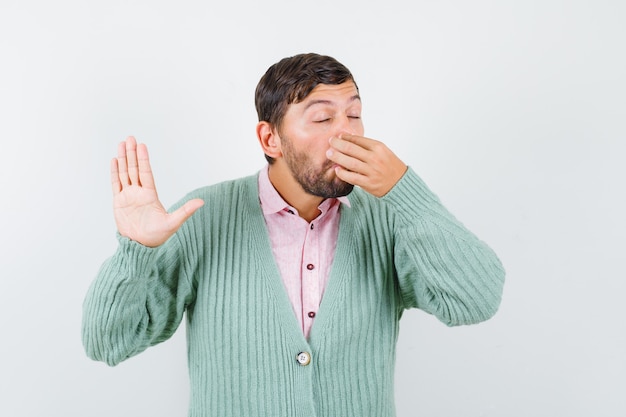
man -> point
(293, 280)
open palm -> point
(139, 214)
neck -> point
(293, 193)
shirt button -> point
(303, 358)
(311, 314)
(310, 267)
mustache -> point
(327, 164)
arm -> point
(136, 301)
(140, 294)
(442, 267)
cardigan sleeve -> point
(442, 268)
(137, 300)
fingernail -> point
(329, 153)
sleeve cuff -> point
(136, 255)
(411, 197)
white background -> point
(514, 112)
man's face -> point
(328, 111)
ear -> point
(269, 139)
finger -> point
(372, 184)
(178, 217)
(131, 160)
(351, 177)
(116, 186)
(351, 147)
(122, 167)
(346, 161)
(146, 179)
(360, 141)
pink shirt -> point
(303, 251)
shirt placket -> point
(310, 278)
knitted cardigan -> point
(404, 250)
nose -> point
(344, 125)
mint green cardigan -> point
(404, 250)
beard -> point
(320, 182)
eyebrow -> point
(314, 102)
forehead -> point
(331, 94)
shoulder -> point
(235, 187)
(224, 193)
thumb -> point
(180, 215)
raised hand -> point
(139, 214)
(368, 163)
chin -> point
(341, 188)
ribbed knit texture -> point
(401, 251)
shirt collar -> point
(272, 202)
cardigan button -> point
(303, 358)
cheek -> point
(316, 150)
(357, 127)
(307, 146)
